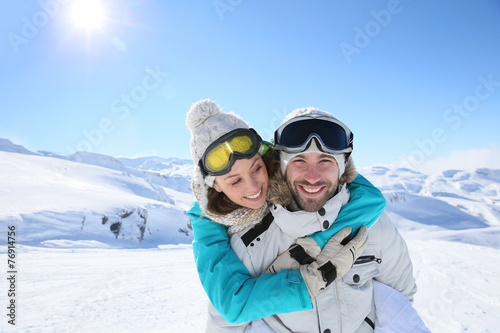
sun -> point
(88, 14)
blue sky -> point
(414, 80)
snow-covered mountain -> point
(88, 196)
(57, 199)
(104, 243)
(455, 205)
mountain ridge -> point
(63, 199)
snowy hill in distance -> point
(92, 192)
(454, 205)
(104, 244)
(59, 199)
(8, 146)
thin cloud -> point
(470, 159)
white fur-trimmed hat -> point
(285, 157)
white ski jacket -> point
(347, 305)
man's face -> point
(313, 179)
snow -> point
(80, 289)
(103, 243)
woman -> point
(235, 294)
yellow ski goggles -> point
(220, 156)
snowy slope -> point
(455, 205)
(97, 198)
(103, 243)
(451, 222)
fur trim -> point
(350, 173)
(279, 193)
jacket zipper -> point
(367, 259)
(360, 260)
(338, 307)
(317, 314)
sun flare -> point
(88, 14)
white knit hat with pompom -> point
(206, 122)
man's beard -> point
(309, 204)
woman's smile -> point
(255, 196)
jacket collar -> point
(301, 223)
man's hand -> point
(303, 252)
(319, 267)
(335, 259)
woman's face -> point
(246, 183)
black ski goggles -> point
(220, 156)
(295, 135)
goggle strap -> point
(264, 148)
(202, 168)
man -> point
(315, 159)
